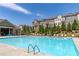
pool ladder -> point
(34, 49)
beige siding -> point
(78, 17)
(57, 20)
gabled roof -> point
(54, 17)
(6, 23)
(70, 14)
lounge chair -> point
(61, 34)
(65, 35)
(73, 35)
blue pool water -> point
(56, 46)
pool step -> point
(32, 48)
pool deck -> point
(76, 41)
(7, 50)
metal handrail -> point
(30, 45)
(34, 49)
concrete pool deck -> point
(76, 41)
(7, 50)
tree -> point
(32, 28)
(63, 27)
(69, 27)
(41, 29)
(74, 25)
(49, 30)
(23, 29)
(58, 29)
(26, 30)
(46, 29)
(54, 28)
(78, 25)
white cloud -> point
(15, 7)
(40, 15)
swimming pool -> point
(57, 46)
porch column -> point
(9, 30)
(0, 31)
(14, 32)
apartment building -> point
(68, 18)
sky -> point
(26, 13)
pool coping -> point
(32, 36)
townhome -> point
(68, 18)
